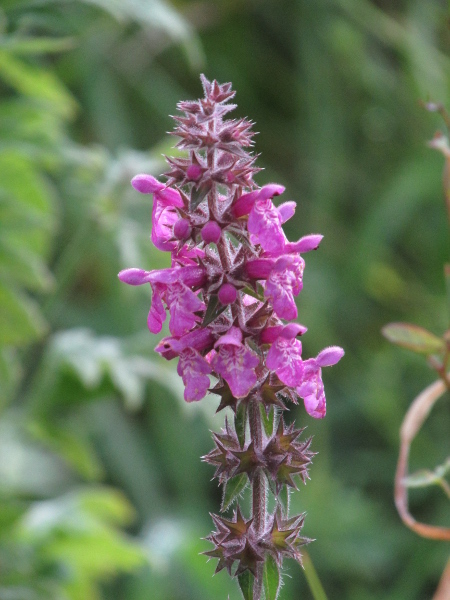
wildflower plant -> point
(230, 294)
(437, 351)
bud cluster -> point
(230, 294)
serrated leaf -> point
(246, 580)
(267, 419)
(197, 195)
(271, 578)
(240, 420)
(413, 338)
(233, 488)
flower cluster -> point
(230, 294)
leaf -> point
(283, 499)
(258, 295)
(240, 420)
(20, 319)
(413, 338)
(271, 578)
(197, 195)
(213, 310)
(246, 580)
(71, 446)
(425, 477)
(233, 488)
(267, 419)
(36, 83)
(36, 45)
(447, 285)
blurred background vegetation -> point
(102, 492)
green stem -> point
(312, 578)
(259, 493)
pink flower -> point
(157, 312)
(182, 303)
(172, 286)
(284, 282)
(311, 389)
(235, 363)
(194, 370)
(285, 356)
(199, 339)
(164, 215)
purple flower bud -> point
(329, 356)
(227, 294)
(146, 184)
(211, 232)
(134, 276)
(182, 229)
(194, 172)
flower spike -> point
(231, 295)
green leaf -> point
(447, 285)
(246, 580)
(283, 499)
(258, 295)
(240, 420)
(233, 488)
(36, 83)
(20, 319)
(413, 338)
(425, 477)
(198, 194)
(35, 45)
(271, 578)
(70, 445)
(213, 310)
(267, 419)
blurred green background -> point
(102, 492)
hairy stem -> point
(259, 492)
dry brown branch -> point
(413, 421)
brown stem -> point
(443, 591)
(259, 494)
(414, 418)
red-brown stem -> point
(259, 493)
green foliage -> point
(85, 90)
(413, 338)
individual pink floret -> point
(284, 282)
(182, 303)
(285, 358)
(194, 370)
(235, 363)
(164, 215)
(311, 389)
